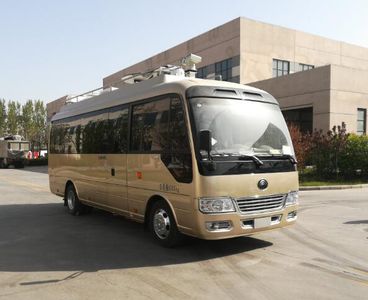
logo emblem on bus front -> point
(262, 184)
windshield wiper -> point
(285, 156)
(239, 156)
(256, 160)
(291, 158)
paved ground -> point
(47, 254)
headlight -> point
(216, 205)
(292, 198)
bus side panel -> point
(86, 171)
(89, 174)
(148, 176)
(117, 182)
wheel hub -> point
(71, 200)
(161, 224)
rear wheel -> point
(163, 226)
(19, 165)
(3, 164)
(75, 207)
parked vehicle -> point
(13, 151)
(204, 158)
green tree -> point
(2, 118)
(27, 121)
(13, 118)
(39, 120)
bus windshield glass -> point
(242, 127)
(14, 146)
(24, 146)
(18, 146)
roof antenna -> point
(189, 64)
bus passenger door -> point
(117, 160)
(91, 142)
(117, 182)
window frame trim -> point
(280, 61)
(364, 121)
(148, 100)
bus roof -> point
(160, 85)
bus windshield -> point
(242, 127)
(18, 146)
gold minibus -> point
(185, 156)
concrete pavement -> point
(45, 253)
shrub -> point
(327, 149)
(302, 145)
(334, 155)
(354, 159)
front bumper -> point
(244, 224)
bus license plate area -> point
(262, 222)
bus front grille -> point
(261, 204)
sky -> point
(52, 48)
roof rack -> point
(187, 62)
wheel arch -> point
(69, 182)
(151, 201)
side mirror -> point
(205, 138)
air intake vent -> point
(260, 204)
(250, 94)
(225, 93)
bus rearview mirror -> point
(205, 137)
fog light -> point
(248, 224)
(218, 226)
(291, 216)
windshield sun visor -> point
(230, 93)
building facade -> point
(318, 82)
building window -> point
(224, 68)
(305, 67)
(362, 121)
(280, 67)
(202, 72)
(302, 117)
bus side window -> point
(150, 126)
(62, 134)
(94, 135)
(118, 130)
(178, 160)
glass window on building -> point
(202, 72)
(305, 67)
(302, 117)
(362, 121)
(224, 68)
(280, 67)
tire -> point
(75, 207)
(3, 164)
(163, 226)
(18, 165)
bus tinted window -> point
(179, 159)
(59, 137)
(102, 133)
(150, 126)
(118, 130)
(95, 134)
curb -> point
(332, 187)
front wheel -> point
(3, 164)
(163, 226)
(18, 165)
